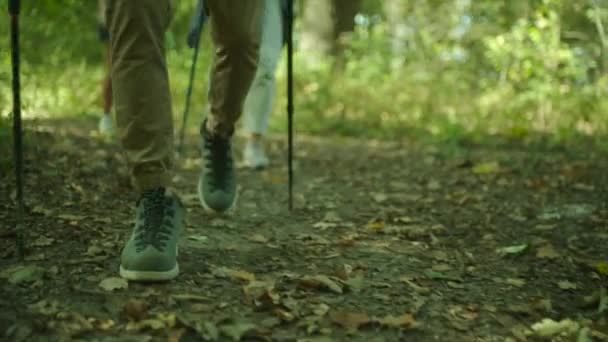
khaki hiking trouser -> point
(140, 80)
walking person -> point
(142, 101)
(106, 124)
(260, 100)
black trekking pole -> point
(13, 9)
(290, 100)
(194, 39)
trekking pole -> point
(290, 100)
(194, 38)
(14, 7)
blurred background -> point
(431, 69)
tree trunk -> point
(327, 26)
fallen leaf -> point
(351, 321)
(43, 241)
(376, 226)
(405, 321)
(321, 282)
(198, 238)
(566, 285)
(261, 294)
(189, 296)
(486, 168)
(243, 275)
(355, 283)
(94, 251)
(146, 324)
(25, 274)
(440, 276)
(237, 330)
(136, 310)
(547, 252)
(325, 225)
(441, 268)
(433, 185)
(379, 197)
(321, 309)
(515, 282)
(68, 217)
(225, 272)
(284, 315)
(549, 328)
(417, 288)
(259, 238)
(602, 268)
(512, 250)
(332, 216)
(114, 283)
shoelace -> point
(218, 160)
(157, 216)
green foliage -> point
(467, 68)
(521, 67)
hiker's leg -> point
(236, 31)
(106, 123)
(260, 99)
(140, 87)
(143, 111)
(106, 91)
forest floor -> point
(387, 241)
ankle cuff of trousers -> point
(147, 181)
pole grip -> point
(14, 7)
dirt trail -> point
(388, 242)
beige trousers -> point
(140, 82)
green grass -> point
(410, 103)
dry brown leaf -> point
(284, 315)
(225, 272)
(319, 282)
(261, 294)
(243, 275)
(136, 310)
(351, 321)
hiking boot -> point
(217, 183)
(151, 252)
(106, 125)
(254, 155)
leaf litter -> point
(452, 247)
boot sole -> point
(149, 276)
(210, 210)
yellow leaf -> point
(486, 168)
(243, 275)
(602, 268)
(403, 321)
(376, 226)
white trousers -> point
(260, 99)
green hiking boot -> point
(151, 252)
(217, 184)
